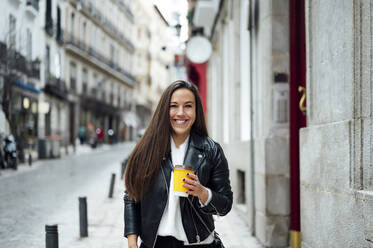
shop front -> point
(24, 118)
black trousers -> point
(171, 242)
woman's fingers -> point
(192, 176)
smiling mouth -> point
(180, 122)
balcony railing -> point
(89, 50)
(14, 60)
(55, 86)
(126, 10)
(90, 10)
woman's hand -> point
(132, 241)
(196, 188)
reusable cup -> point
(180, 172)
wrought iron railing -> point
(92, 11)
(91, 51)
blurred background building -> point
(81, 70)
(20, 76)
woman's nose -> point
(180, 110)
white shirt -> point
(171, 224)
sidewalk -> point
(106, 227)
(80, 150)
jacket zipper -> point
(194, 223)
(164, 177)
(198, 238)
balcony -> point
(13, 60)
(33, 69)
(126, 10)
(88, 9)
(55, 87)
(88, 52)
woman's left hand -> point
(196, 188)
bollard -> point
(122, 169)
(83, 217)
(112, 185)
(29, 159)
(51, 236)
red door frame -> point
(197, 75)
(297, 119)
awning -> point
(26, 87)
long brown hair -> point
(147, 157)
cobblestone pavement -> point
(106, 227)
(48, 192)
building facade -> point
(20, 73)
(53, 116)
(247, 107)
(153, 59)
(98, 67)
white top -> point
(171, 224)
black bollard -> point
(29, 159)
(122, 165)
(83, 217)
(112, 185)
(51, 236)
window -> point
(47, 62)
(72, 25)
(73, 76)
(59, 33)
(85, 81)
(112, 51)
(96, 85)
(84, 32)
(58, 64)
(241, 199)
(28, 44)
(48, 17)
(12, 32)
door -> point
(297, 110)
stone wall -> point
(336, 146)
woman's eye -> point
(188, 106)
(173, 106)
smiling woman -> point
(176, 135)
(182, 114)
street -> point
(47, 193)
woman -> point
(176, 134)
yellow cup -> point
(180, 172)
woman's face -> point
(182, 111)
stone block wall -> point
(336, 147)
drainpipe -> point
(251, 28)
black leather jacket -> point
(209, 163)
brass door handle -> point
(302, 101)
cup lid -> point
(183, 167)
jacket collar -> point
(196, 141)
(194, 154)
